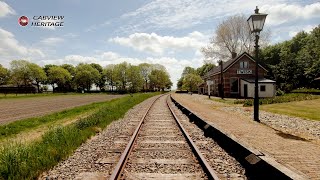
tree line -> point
(294, 63)
(123, 77)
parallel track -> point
(161, 148)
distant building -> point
(238, 79)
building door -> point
(245, 90)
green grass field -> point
(309, 109)
(31, 123)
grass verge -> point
(29, 161)
(304, 109)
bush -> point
(279, 92)
(248, 102)
(281, 99)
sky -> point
(168, 32)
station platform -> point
(299, 155)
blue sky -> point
(153, 31)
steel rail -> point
(207, 168)
(117, 172)
(124, 156)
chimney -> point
(234, 55)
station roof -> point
(261, 80)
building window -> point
(263, 88)
(244, 65)
(234, 85)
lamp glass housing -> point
(256, 22)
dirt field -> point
(16, 109)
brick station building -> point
(238, 79)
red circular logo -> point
(23, 20)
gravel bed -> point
(166, 151)
(160, 133)
(308, 129)
(160, 138)
(97, 154)
(225, 165)
(163, 146)
(162, 154)
(164, 168)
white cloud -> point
(155, 44)
(296, 30)
(182, 14)
(284, 13)
(11, 48)
(5, 9)
(51, 41)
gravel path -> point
(96, 158)
(307, 129)
(21, 108)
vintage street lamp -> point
(256, 22)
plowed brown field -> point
(21, 108)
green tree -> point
(20, 72)
(294, 63)
(101, 82)
(201, 71)
(70, 68)
(70, 84)
(4, 75)
(58, 75)
(145, 70)
(159, 79)
(187, 70)
(109, 73)
(121, 74)
(191, 82)
(180, 83)
(37, 74)
(86, 75)
(135, 78)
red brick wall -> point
(232, 73)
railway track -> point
(160, 148)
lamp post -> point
(256, 22)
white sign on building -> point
(244, 71)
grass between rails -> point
(16, 127)
(29, 161)
(304, 109)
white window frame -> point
(244, 65)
